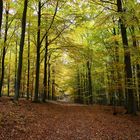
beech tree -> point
(38, 46)
(19, 69)
(1, 14)
(130, 97)
(4, 47)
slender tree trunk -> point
(78, 82)
(9, 75)
(1, 14)
(4, 49)
(45, 71)
(28, 73)
(138, 81)
(38, 54)
(15, 66)
(32, 88)
(109, 86)
(87, 86)
(53, 83)
(49, 76)
(84, 86)
(32, 81)
(89, 82)
(131, 105)
(23, 83)
(19, 70)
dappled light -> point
(69, 69)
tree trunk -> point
(87, 86)
(1, 14)
(32, 79)
(49, 76)
(89, 82)
(4, 49)
(138, 81)
(45, 71)
(79, 86)
(38, 54)
(53, 83)
(23, 81)
(16, 58)
(9, 75)
(84, 86)
(131, 105)
(19, 70)
(28, 72)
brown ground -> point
(30, 121)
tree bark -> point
(49, 76)
(4, 49)
(131, 105)
(53, 83)
(19, 70)
(138, 81)
(16, 58)
(38, 54)
(28, 72)
(1, 14)
(9, 75)
(45, 71)
(79, 86)
(89, 82)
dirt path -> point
(30, 121)
(65, 103)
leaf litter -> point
(55, 121)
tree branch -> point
(56, 9)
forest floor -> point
(51, 121)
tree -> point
(19, 70)
(130, 97)
(1, 14)
(28, 75)
(4, 48)
(45, 70)
(38, 46)
(9, 75)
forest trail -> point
(63, 103)
(50, 121)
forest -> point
(70, 69)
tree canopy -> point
(87, 50)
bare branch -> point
(56, 9)
(59, 34)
